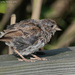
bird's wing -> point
(7, 36)
(22, 29)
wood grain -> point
(60, 62)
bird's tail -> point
(2, 38)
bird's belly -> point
(25, 49)
(32, 49)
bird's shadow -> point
(47, 53)
(53, 52)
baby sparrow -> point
(27, 36)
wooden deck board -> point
(60, 62)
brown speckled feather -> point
(25, 29)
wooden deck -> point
(60, 62)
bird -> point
(27, 36)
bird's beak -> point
(58, 29)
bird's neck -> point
(47, 35)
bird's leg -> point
(42, 48)
(38, 58)
(10, 50)
(24, 59)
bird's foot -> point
(25, 60)
(37, 58)
(20, 59)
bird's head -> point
(50, 25)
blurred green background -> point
(62, 11)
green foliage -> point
(3, 5)
(47, 47)
(46, 12)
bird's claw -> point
(25, 60)
(38, 58)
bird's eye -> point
(51, 26)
